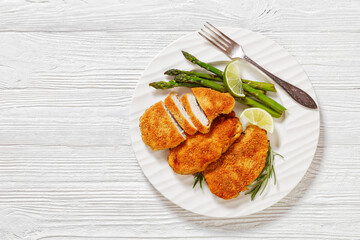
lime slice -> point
(232, 79)
(258, 117)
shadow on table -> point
(270, 214)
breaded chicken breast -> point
(214, 103)
(158, 129)
(196, 114)
(240, 165)
(199, 150)
(176, 108)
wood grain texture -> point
(68, 72)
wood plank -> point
(116, 60)
(113, 15)
(68, 72)
(46, 181)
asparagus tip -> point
(187, 55)
(172, 72)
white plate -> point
(295, 136)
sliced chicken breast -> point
(214, 103)
(197, 116)
(174, 105)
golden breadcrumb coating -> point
(240, 165)
(214, 103)
(199, 150)
(158, 130)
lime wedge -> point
(232, 79)
(258, 117)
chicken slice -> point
(214, 103)
(159, 130)
(196, 114)
(173, 103)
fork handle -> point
(296, 93)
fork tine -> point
(218, 36)
(211, 41)
(224, 35)
(214, 39)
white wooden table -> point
(68, 70)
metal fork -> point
(233, 50)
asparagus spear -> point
(260, 85)
(248, 89)
(264, 86)
(183, 78)
(265, 99)
(174, 72)
(172, 84)
(245, 100)
(208, 67)
(252, 103)
(262, 91)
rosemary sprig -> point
(268, 172)
(199, 178)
